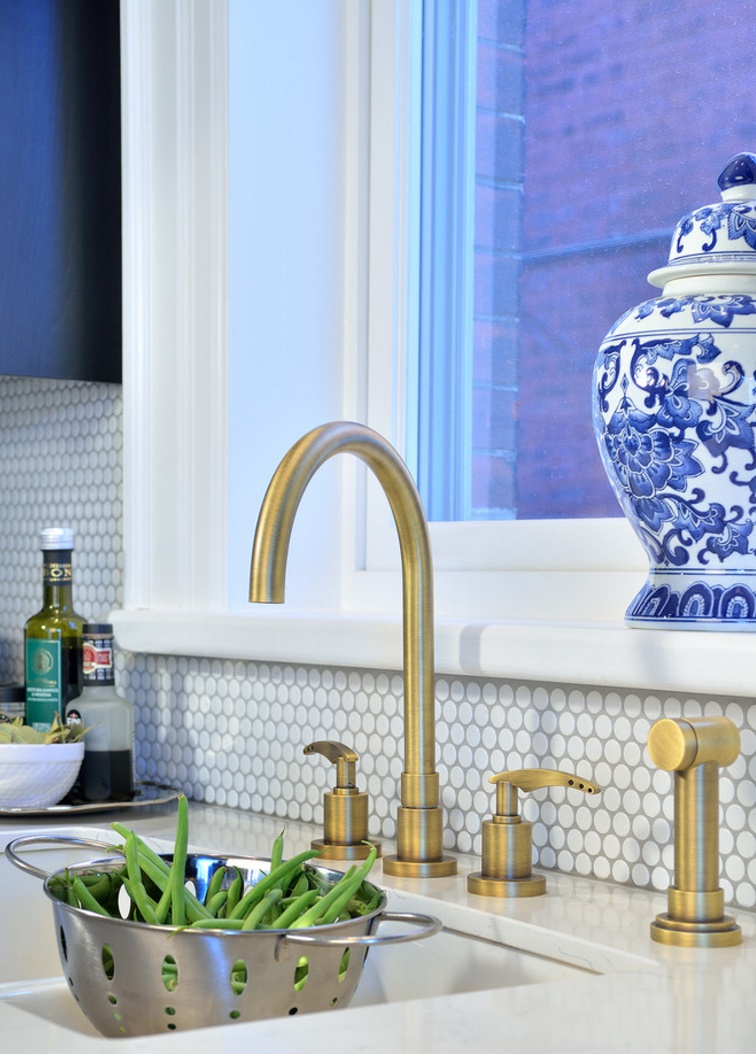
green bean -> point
(235, 891)
(333, 903)
(163, 905)
(272, 879)
(215, 883)
(312, 916)
(276, 852)
(350, 888)
(85, 898)
(97, 882)
(217, 924)
(195, 909)
(287, 918)
(258, 912)
(300, 974)
(135, 887)
(217, 902)
(144, 849)
(157, 870)
(177, 876)
(239, 976)
(301, 885)
(141, 901)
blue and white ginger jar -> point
(674, 409)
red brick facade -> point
(644, 100)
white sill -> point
(601, 653)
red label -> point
(94, 658)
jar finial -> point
(739, 171)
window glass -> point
(595, 128)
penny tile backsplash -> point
(233, 733)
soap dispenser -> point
(345, 807)
(508, 839)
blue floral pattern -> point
(739, 218)
(675, 411)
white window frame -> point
(526, 600)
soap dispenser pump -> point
(508, 839)
(345, 835)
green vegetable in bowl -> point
(17, 732)
(292, 895)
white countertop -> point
(643, 998)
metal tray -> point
(146, 794)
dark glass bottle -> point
(106, 772)
(52, 637)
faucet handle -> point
(345, 807)
(344, 758)
(509, 783)
(506, 869)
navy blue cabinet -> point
(60, 189)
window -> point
(216, 213)
(562, 142)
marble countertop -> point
(640, 997)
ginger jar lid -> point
(718, 238)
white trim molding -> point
(175, 178)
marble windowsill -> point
(592, 653)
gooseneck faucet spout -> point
(419, 832)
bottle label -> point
(57, 573)
(44, 683)
(96, 658)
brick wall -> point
(597, 124)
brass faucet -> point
(694, 749)
(419, 832)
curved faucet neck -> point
(268, 572)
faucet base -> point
(720, 933)
(419, 845)
(533, 885)
(350, 851)
(392, 865)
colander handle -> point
(428, 925)
(45, 839)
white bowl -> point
(37, 775)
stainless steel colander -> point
(131, 979)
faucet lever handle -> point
(506, 866)
(508, 783)
(343, 757)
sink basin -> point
(449, 963)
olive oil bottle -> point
(52, 637)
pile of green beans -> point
(291, 895)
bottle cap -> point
(12, 701)
(56, 538)
(98, 629)
(12, 693)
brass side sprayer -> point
(419, 832)
(694, 749)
